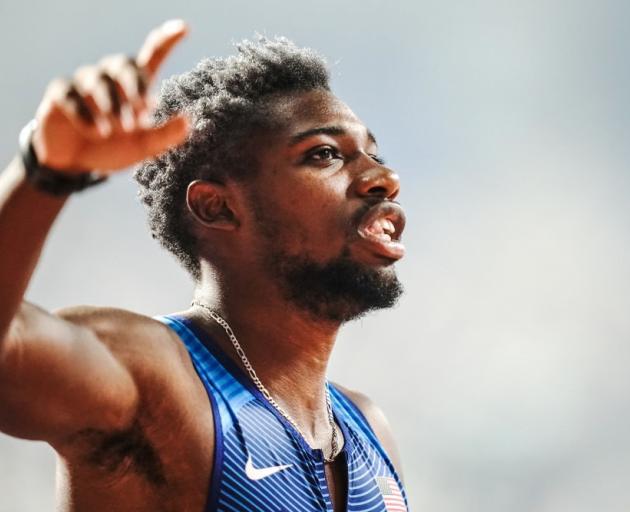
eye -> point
(323, 154)
(377, 159)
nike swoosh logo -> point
(259, 473)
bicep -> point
(57, 377)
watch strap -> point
(47, 179)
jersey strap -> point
(262, 464)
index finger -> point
(159, 44)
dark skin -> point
(114, 392)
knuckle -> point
(113, 62)
(58, 87)
(129, 79)
(119, 58)
(85, 78)
(83, 72)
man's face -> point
(326, 227)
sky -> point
(504, 369)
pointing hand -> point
(99, 120)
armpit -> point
(122, 453)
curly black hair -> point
(225, 100)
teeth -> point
(383, 229)
(388, 226)
(376, 228)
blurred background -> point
(505, 369)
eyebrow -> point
(324, 130)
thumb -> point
(126, 149)
(156, 140)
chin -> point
(339, 290)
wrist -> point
(46, 179)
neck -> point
(288, 348)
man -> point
(270, 191)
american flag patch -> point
(393, 498)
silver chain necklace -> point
(334, 444)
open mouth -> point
(381, 228)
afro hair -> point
(225, 99)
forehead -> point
(299, 112)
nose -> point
(377, 181)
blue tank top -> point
(262, 464)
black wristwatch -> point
(46, 179)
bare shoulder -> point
(87, 368)
(171, 429)
(378, 421)
(148, 349)
(155, 358)
(128, 335)
(108, 320)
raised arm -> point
(58, 375)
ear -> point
(209, 204)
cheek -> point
(315, 219)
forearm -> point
(59, 374)
(26, 216)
